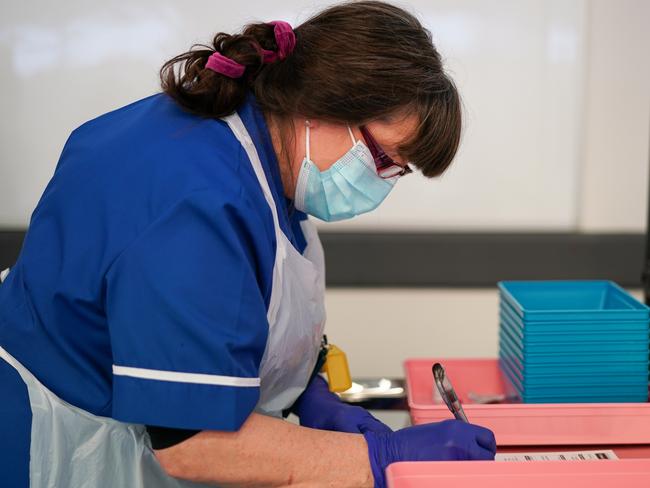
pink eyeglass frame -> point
(386, 166)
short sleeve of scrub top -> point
(187, 319)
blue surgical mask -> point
(350, 187)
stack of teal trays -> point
(573, 342)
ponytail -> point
(212, 81)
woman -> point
(167, 305)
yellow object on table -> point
(337, 369)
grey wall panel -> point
(459, 260)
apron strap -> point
(241, 133)
(239, 129)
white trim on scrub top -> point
(175, 376)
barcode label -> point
(557, 456)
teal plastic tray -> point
(578, 369)
(616, 341)
(630, 330)
(566, 358)
(568, 378)
(572, 346)
(571, 301)
(575, 395)
(639, 337)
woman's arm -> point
(271, 452)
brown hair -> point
(353, 63)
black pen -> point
(447, 392)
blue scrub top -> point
(152, 247)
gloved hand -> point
(450, 440)
(319, 408)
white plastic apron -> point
(296, 312)
(73, 448)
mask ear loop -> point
(307, 148)
(354, 141)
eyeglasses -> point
(386, 167)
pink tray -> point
(629, 473)
(524, 424)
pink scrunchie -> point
(284, 38)
(219, 63)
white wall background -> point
(616, 118)
(557, 96)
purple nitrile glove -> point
(319, 408)
(449, 440)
